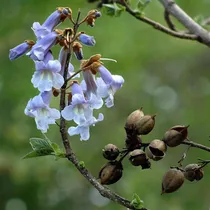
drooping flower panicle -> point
(50, 74)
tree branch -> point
(158, 26)
(196, 145)
(105, 192)
(168, 21)
(193, 27)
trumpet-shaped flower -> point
(63, 58)
(50, 23)
(108, 84)
(38, 108)
(80, 109)
(42, 46)
(47, 74)
(83, 128)
(19, 50)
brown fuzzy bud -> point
(110, 152)
(55, 92)
(111, 173)
(156, 150)
(172, 181)
(138, 157)
(175, 135)
(193, 172)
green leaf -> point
(142, 5)
(113, 9)
(58, 152)
(137, 202)
(38, 153)
(40, 144)
(82, 164)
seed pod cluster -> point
(140, 153)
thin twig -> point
(196, 145)
(157, 25)
(69, 152)
(203, 35)
(168, 21)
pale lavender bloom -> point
(83, 129)
(39, 30)
(19, 50)
(108, 84)
(80, 109)
(62, 58)
(87, 40)
(89, 83)
(42, 46)
(52, 21)
(47, 74)
(38, 108)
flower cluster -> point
(52, 75)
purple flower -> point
(19, 50)
(83, 129)
(62, 58)
(47, 74)
(87, 40)
(52, 21)
(38, 108)
(89, 83)
(42, 46)
(80, 109)
(108, 84)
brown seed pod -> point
(110, 152)
(138, 157)
(193, 172)
(172, 180)
(175, 135)
(145, 124)
(133, 118)
(132, 141)
(111, 173)
(156, 150)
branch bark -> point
(193, 27)
(196, 145)
(105, 192)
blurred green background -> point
(163, 74)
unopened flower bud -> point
(111, 152)
(156, 150)
(77, 49)
(138, 157)
(175, 135)
(56, 92)
(193, 172)
(111, 173)
(172, 180)
(87, 40)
